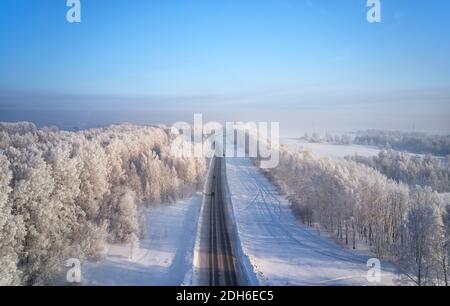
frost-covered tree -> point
(66, 194)
(31, 199)
(10, 236)
(358, 203)
(422, 225)
(445, 244)
(411, 170)
(94, 172)
(124, 221)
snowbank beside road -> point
(281, 250)
(164, 257)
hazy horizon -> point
(76, 111)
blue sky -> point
(263, 53)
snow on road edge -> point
(245, 266)
(164, 256)
(279, 249)
(195, 278)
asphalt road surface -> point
(218, 260)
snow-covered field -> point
(336, 151)
(331, 150)
(163, 258)
(281, 250)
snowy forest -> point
(397, 213)
(411, 170)
(66, 194)
(413, 142)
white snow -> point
(445, 197)
(164, 257)
(332, 150)
(281, 250)
(336, 151)
(274, 246)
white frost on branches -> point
(361, 205)
(66, 194)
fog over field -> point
(426, 112)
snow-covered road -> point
(281, 250)
(164, 257)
